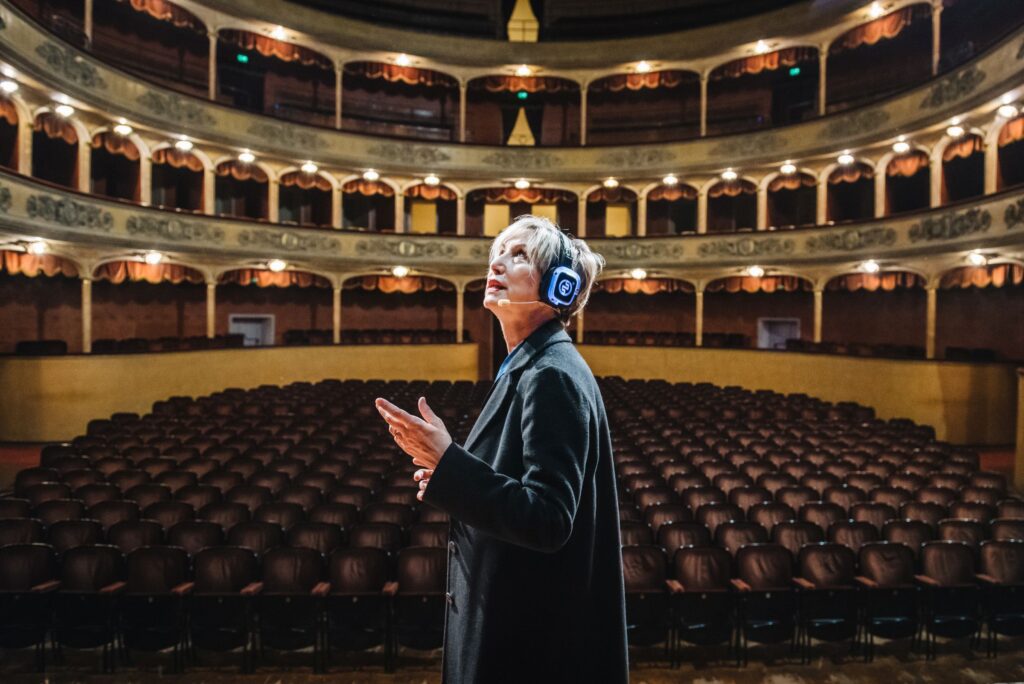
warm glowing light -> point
(370, 175)
(431, 180)
(787, 169)
(876, 10)
(870, 266)
(523, 71)
(8, 86)
(977, 259)
(761, 47)
(643, 67)
(611, 183)
(638, 274)
(246, 157)
(755, 271)
(522, 184)
(400, 271)
(183, 145)
(955, 131)
(729, 175)
(309, 167)
(901, 147)
(277, 265)
(153, 258)
(845, 159)
(403, 60)
(123, 129)
(1008, 111)
(670, 180)
(278, 33)
(64, 110)
(36, 247)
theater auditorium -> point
(227, 227)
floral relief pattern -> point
(174, 229)
(68, 212)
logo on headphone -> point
(564, 286)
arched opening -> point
(114, 167)
(511, 110)
(177, 180)
(8, 134)
(907, 183)
(963, 169)
(611, 212)
(770, 312)
(413, 310)
(159, 41)
(41, 315)
(979, 312)
(368, 205)
(259, 74)
(634, 108)
(1011, 154)
(55, 150)
(242, 190)
(490, 210)
(876, 59)
(851, 193)
(274, 307)
(65, 18)
(766, 90)
(305, 199)
(792, 200)
(732, 205)
(140, 307)
(406, 102)
(431, 209)
(648, 312)
(875, 314)
(672, 210)
(969, 27)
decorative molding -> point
(1014, 214)
(523, 160)
(411, 154)
(747, 247)
(5, 198)
(636, 157)
(287, 135)
(851, 240)
(953, 87)
(414, 249)
(951, 225)
(857, 123)
(68, 212)
(749, 145)
(176, 108)
(288, 241)
(634, 250)
(71, 66)
(174, 229)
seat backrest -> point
(925, 511)
(252, 496)
(821, 513)
(23, 566)
(429, 534)
(1003, 560)
(644, 568)
(889, 564)
(852, 534)
(911, 533)
(90, 568)
(156, 569)
(342, 515)
(281, 513)
(198, 495)
(660, 514)
(792, 535)
(14, 507)
(695, 497)
(45, 491)
(972, 510)
(21, 531)
(1010, 508)
(765, 566)
(422, 570)
(147, 494)
(770, 514)
(305, 496)
(714, 514)
(195, 535)
(948, 562)
(353, 495)
(289, 570)
(169, 513)
(129, 535)
(1007, 529)
(380, 535)
(225, 513)
(358, 571)
(224, 569)
(796, 496)
(109, 512)
(702, 568)
(873, 512)
(969, 532)
(827, 564)
(733, 535)
(256, 535)
(675, 535)
(321, 536)
(397, 514)
(67, 534)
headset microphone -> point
(508, 302)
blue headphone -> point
(560, 284)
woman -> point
(534, 562)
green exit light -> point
(794, 71)
(244, 59)
(522, 95)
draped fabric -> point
(612, 195)
(391, 285)
(907, 165)
(8, 111)
(165, 11)
(431, 192)
(1012, 131)
(136, 271)
(751, 285)
(305, 181)
(672, 193)
(241, 171)
(368, 188)
(31, 265)
(529, 195)
(267, 278)
(671, 78)
(732, 188)
(876, 281)
(531, 84)
(850, 173)
(996, 275)
(647, 286)
(793, 181)
(767, 62)
(56, 127)
(116, 144)
(963, 148)
(400, 74)
(269, 47)
(883, 28)
(177, 159)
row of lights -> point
(974, 258)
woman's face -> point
(511, 276)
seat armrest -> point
(674, 586)
(252, 589)
(321, 589)
(46, 587)
(987, 579)
(183, 588)
(390, 589)
(926, 580)
(866, 582)
(802, 583)
(115, 588)
(740, 585)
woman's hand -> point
(424, 439)
(423, 477)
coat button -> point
(449, 598)
(452, 548)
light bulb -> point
(755, 271)
(670, 180)
(309, 167)
(610, 183)
(153, 258)
(523, 71)
(901, 147)
(761, 47)
(729, 175)
(522, 184)
(246, 157)
(1008, 111)
(123, 129)
(403, 60)
(277, 265)
(845, 159)
(36, 247)
(64, 110)
(787, 169)
(8, 86)
(370, 175)
(278, 33)
(876, 10)
(643, 67)
(431, 180)
(638, 274)
(955, 131)
(400, 271)
(870, 266)
(183, 145)
(977, 259)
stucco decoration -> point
(71, 66)
(522, 160)
(174, 229)
(288, 241)
(177, 109)
(951, 225)
(415, 249)
(953, 88)
(68, 212)
(747, 247)
(413, 155)
(851, 240)
(855, 124)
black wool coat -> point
(535, 588)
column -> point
(1018, 462)
(24, 145)
(86, 316)
(460, 311)
(336, 208)
(583, 114)
(762, 207)
(88, 22)
(84, 165)
(581, 217)
(641, 216)
(699, 320)
(145, 179)
(460, 215)
(821, 202)
(273, 200)
(929, 334)
(400, 226)
(579, 327)
(936, 35)
(991, 166)
(462, 111)
(703, 104)
(338, 71)
(211, 310)
(336, 317)
(880, 193)
(935, 181)
(702, 211)
(823, 79)
(209, 191)
(211, 77)
(819, 296)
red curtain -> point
(1012, 131)
(267, 278)
(889, 26)
(850, 173)
(31, 265)
(751, 285)
(8, 111)
(612, 195)
(178, 159)
(732, 188)
(268, 47)
(165, 11)
(400, 74)
(368, 188)
(529, 195)
(56, 127)
(907, 165)
(119, 271)
(770, 61)
(963, 148)
(996, 275)
(875, 281)
(793, 181)
(531, 84)
(305, 181)
(646, 286)
(116, 144)
(407, 285)
(431, 192)
(241, 171)
(654, 79)
(672, 193)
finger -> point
(417, 461)
(422, 473)
(419, 495)
(428, 413)
(394, 415)
(424, 483)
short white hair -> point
(544, 243)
